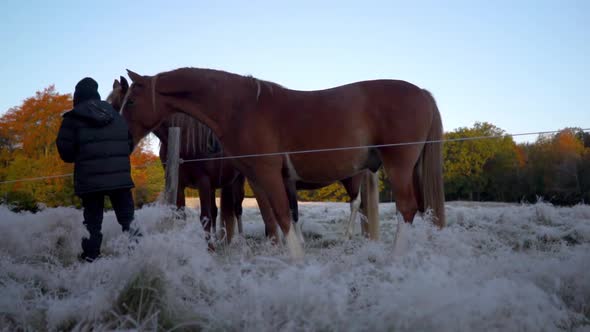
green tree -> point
(465, 161)
(584, 175)
(333, 193)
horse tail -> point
(430, 175)
(370, 203)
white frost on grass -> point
(504, 267)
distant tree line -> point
(554, 167)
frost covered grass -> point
(498, 267)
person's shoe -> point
(85, 258)
(135, 235)
(90, 249)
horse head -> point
(116, 96)
(137, 103)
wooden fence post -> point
(172, 164)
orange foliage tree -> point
(27, 150)
(147, 173)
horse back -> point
(366, 112)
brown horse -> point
(206, 176)
(198, 142)
(272, 129)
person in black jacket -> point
(96, 139)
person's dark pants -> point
(93, 203)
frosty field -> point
(504, 267)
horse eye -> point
(129, 102)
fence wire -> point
(459, 139)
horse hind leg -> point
(352, 186)
(355, 205)
(418, 190)
(291, 190)
(406, 207)
(402, 181)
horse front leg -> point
(228, 217)
(181, 200)
(214, 211)
(268, 217)
(269, 180)
(204, 186)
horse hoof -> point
(348, 234)
(295, 248)
(299, 233)
(401, 241)
(221, 235)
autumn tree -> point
(147, 173)
(27, 150)
(34, 125)
(555, 168)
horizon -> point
(522, 67)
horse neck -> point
(214, 96)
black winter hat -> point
(86, 89)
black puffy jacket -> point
(97, 140)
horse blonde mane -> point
(117, 92)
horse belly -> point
(322, 167)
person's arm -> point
(67, 142)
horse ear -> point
(135, 78)
(116, 84)
(124, 84)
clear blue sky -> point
(521, 65)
